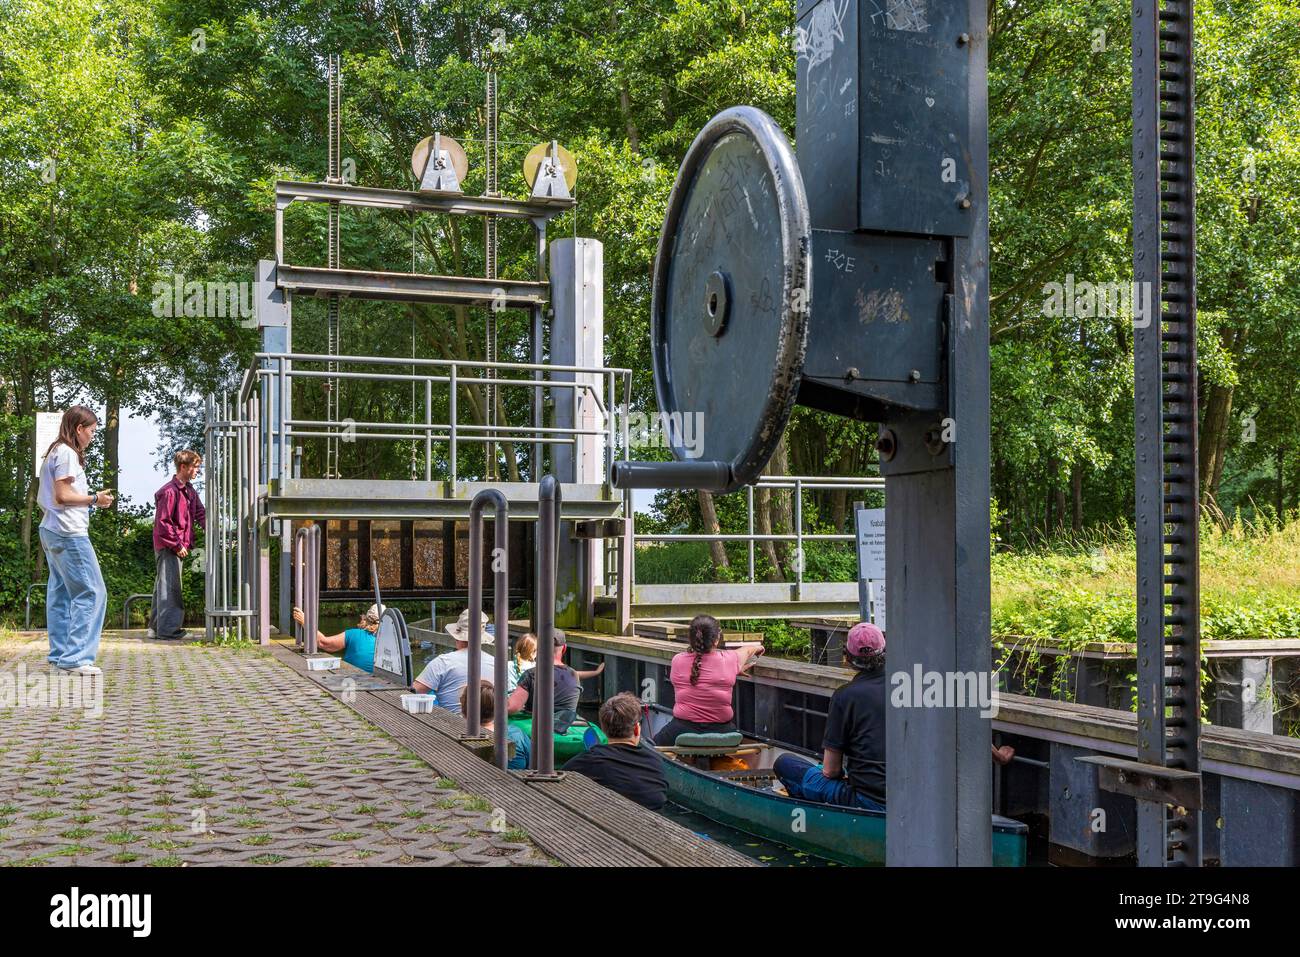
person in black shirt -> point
(852, 772)
(568, 687)
(625, 765)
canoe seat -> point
(712, 740)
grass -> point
(1073, 589)
(1080, 590)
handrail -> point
(27, 606)
(501, 619)
(442, 363)
(543, 703)
(798, 484)
(126, 607)
(596, 385)
(306, 553)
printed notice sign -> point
(871, 544)
(47, 430)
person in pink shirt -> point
(177, 513)
(703, 679)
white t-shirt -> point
(448, 673)
(63, 519)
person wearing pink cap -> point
(852, 772)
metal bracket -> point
(912, 442)
(599, 528)
(1148, 782)
(550, 183)
(439, 171)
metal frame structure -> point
(501, 600)
(1165, 398)
(232, 588)
(306, 565)
(749, 599)
(543, 697)
(276, 373)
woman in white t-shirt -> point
(75, 597)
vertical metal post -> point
(1165, 395)
(282, 427)
(451, 415)
(501, 617)
(473, 666)
(312, 611)
(299, 552)
(538, 392)
(749, 510)
(501, 602)
(209, 540)
(543, 703)
(428, 430)
(937, 551)
(612, 422)
(799, 557)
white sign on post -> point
(47, 430)
(871, 544)
(870, 524)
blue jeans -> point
(803, 779)
(75, 599)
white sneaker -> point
(85, 670)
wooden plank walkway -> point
(574, 819)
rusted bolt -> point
(887, 445)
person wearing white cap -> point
(357, 644)
(445, 675)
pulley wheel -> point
(533, 160)
(732, 278)
(455, 152)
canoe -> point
(577, 739)
(742, 799)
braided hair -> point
(701, 638)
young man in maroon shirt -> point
(177, 512)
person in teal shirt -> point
(357, 645)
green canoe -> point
(846, 835)
(572, 742)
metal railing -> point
(230, 490)
(27, 604)
(501, 620)
(543, 703)
(607, 388)
(126, 607)
(306, 584)
(798, 484)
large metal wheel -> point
(732, 289)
